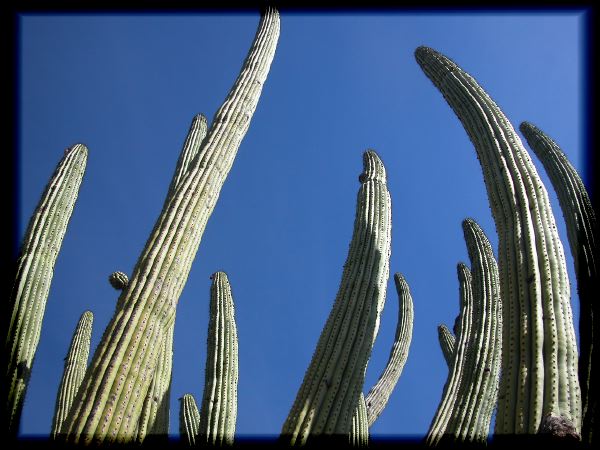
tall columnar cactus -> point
(75, 366)
(466, 410)
(334, 380)
(539, 368)
(219, 402)
(111, 398)
(34, 272)
(447, 343)
(359, 435)
(380, 393)
(582, 232)
(189, 420)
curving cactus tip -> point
(373, 168)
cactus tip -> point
(373, 168)
(118, 280)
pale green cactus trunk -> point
(189, 420)
(359, 436)
(378, 396)
(447, 343)
(35, 269)
(219, 402)
(582, 232)
(108, 407)
(333, 382)
(76, 363)
(539, 368)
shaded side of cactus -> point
(333, 382)
(115, 387)
(118, 280)
(219, 402)
(34, 271)
(539, 368)
(447, 343)
(76, 363)
(582, 232)
(189, 420)
(380, 393)
(359, 436)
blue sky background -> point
(128, 86)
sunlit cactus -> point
(189, 420)
(359, 435)
(447, 343)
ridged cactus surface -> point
(76, 363)
(189, 420)
(379, 394)
(116, 385)
(118, 280)
(447, 343)
(539, 368)
(35, 269)
(334, 380)
(359, 436)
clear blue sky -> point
(128, 86)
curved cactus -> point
(75, 366)
(539, 375)
(189, 419)
(359, 435)
(582, 232)
(447, 343)
(380, 393)
(115, 387)
(118, 280)
(35, 269)
(219, 402)
(334, 380)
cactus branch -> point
(189, 420)
(359, 436)
(447, 343)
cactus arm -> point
(539, 367)
(75, 367)
(359, 436)
(189, 420)
(333, 382)
(219, 402)
(380, 393)
(120, 374)
(447, 343)
(582, 232)
(35, 269)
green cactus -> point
(539, 375)
(333, 383)
(189, 420)
(380, 393)
(76, 363)
(118, 280)
(582, 232)
(108, 407)
(35, 269)
(359, 435)
(219, 402)
(447, 343)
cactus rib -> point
(539, 366)
(35, 269)
(330, 391)
(120, 374)
(359, 435)
(189, 420)
(447, 343)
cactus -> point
(359, 435)
(334, 380)
(539, 378)
(108, 406)
(118, 280)
(219, 402)
(35, 269)
(189, 419)
(447, 343)
(380, 393)
(75, 366)
(582, 232)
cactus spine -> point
(219, 402)
(189, 419)
(582, 232)
(113, 391)
(539, 378)
(447, 343)
(380, 393)
(35, 269)
(333, 382)
(359, 436)
(75, 367)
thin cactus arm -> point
(34, 271)
(359, 435)
(333, 382)
(76, 363)
(582, 232)
(447, 343)
(539, 375)
(218, 412)
(189, 420)
(115, 386)
(378, 396)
